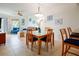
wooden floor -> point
(15, 46)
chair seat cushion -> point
(72, 41)
(44, 38)
(35, 39)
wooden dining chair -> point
(50, 31)
(30, 38)
(49, 38)
(67, 43)
(69, 30)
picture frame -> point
(50, 17)
(23, 21)
(58, 21)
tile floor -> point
(15, 46)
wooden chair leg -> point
(39, 46)
(27, 43)
(51, 45)
(53, 39)
(32, 46)
(52, 42)
(35, 43)
(47, 46)
(67, 48)
(62, 49)
(65, 51)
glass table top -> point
(39, 33)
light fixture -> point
(19, 13)
(38, 15)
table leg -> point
(39, 46)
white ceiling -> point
(10, 9)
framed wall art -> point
(50, 17)
(58, 21)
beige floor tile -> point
(16, 46)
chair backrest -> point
(69, 30)
(48, 38)
(49, 31)
(50, 34)
(29, 31)
(29, 35)
(46, 28)
(63, 34)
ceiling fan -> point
(19, 13)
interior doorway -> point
(15, 26)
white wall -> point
(69, 14)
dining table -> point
(39, 35)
